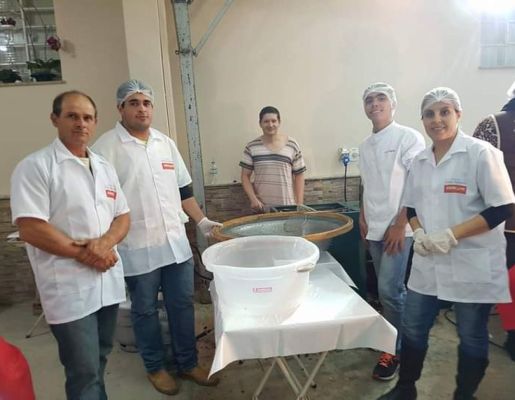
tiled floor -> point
(345, 374)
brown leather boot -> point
(199, 376)
(163, 382)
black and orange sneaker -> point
(386, 367)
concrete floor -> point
(345, 374)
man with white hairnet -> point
(498, 129)
(156, 252)
(385, 158)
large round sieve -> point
(318, 227)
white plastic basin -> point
(261, 275)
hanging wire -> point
(345, 184)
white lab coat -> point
(150, 175)
(385, 158)
(55, 186)
(470, 178)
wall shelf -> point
(20, 28)
(13, 63)
(26, 41)
(38, 9)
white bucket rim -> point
(306, 261)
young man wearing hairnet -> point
(156, 252)
(498, 129)
(385, 158)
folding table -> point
(332, 316)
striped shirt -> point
(273, 171)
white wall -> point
(105, 43)
(147, 55)
(94, 60)
(312, 59)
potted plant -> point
(7, 22)
(44, 70)
(9, 75)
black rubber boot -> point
(412, 361)
(470, 372)
(510, 344)
(401, 392)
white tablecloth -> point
(326, 260)
(332, 316)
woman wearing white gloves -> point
(458, 195)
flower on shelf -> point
(7, 22)
(54, 42)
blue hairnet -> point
(131, 87)
(440, 94)
(381, 87)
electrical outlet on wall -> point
(344, 156)
(354, 154)
(342, 151)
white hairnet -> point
(511, 91)
(131, 87)
(381, 87)
(440, 94)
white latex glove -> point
(206, 226)
(418, 242)
(440, 242)
(419, 235)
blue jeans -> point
(176, 283)
(391, 271)
(83, 348)
(471, 319)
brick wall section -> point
(223, 202)
(16, 281)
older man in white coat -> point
(71, 212)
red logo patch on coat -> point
(111, 194)
(168, 165)
(460, 189)
(262, 289)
